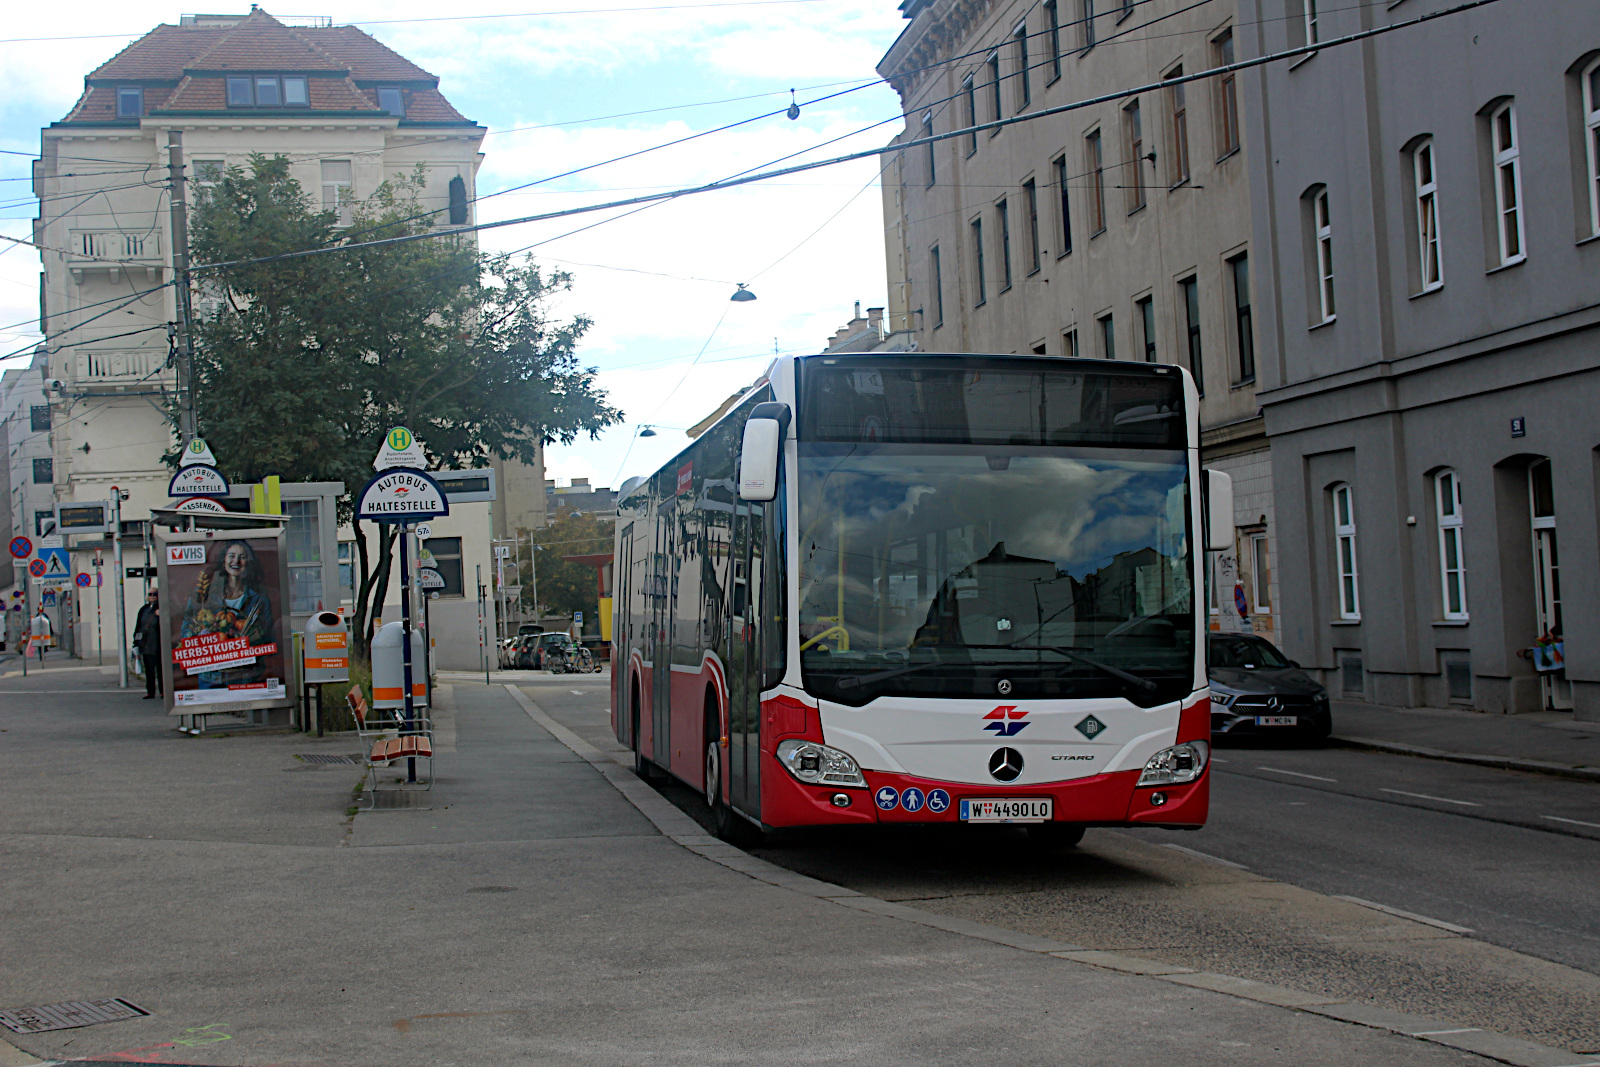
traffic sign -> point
(49, 598)
(197, 451)
(424, 531)
(21, 548)
(198, 480)
(200, 503)
(36, 568)
(402, 496)
(56, 564)
(83, 580)
(428, 578)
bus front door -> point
(744, 662)
(664, 583)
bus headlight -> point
(816, 764)
(1176, 765)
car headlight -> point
(1222, 700)
(1176, 765)
(816, 764)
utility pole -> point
(187, 427)
(121, 575)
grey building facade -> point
(1427, 219)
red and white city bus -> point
(919, 588)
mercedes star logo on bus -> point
(1005, 765)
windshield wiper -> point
(878, 676)
(1116, 672)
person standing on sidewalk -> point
(147, 641)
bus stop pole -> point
(122, 605)
(405, 643)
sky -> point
(559, 91)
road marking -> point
(1413, 916)
(1297, 774)
(1574, 822)
(1205, 856)
(1215, 759)
(1430, 796)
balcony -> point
(111, 252)
(127, 370)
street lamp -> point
(742, 295)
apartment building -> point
(346, 110)
(1427, 212)
(1117, 230)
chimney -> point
(858, 311)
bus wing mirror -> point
(758, 459)
(1219, 511)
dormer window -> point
(130, 101)
(267, 90)
(392, 101)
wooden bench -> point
(385, 742)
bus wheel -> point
(1053, 835)
(713, 775)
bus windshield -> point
(1034, 569)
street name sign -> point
(400, 449)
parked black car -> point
(1257, 691)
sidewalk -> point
(1549, 742)
(536, 916)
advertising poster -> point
(224, 605)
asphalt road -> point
(1513, 857)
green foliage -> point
(307, 362)
(564, 586)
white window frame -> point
(1344, 539)
(1591, 133)
(1507, 160)
(933, 166)
(1311, 22)
(1452, 579)
(331, 198)
(1425, 178)
(1260, 560)
(1322, 220)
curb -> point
(1508, 763)
(683, 830)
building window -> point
(44, 471)
(994, 90)
(1591, 140)
(393, 101)
(1427, 193)
(1323, 225)
(347, 568)
(267, 90)
(303, 546)
(1147, 321)
(1313, 33)
(977, 260)
(927, 131)
(1097, 183)
(1133, 126)
(1260, 575)
(208, 172)
(337, 182)
(1030, 197)
(938, 288)
(447, 561)
(1088, 24)
(1452, 560)
(1191, 311)
(39, 417)
(1179, 148)
(458, 201)
(1108, 338)
(1227, 95)
(44, 523)
(1069, 344)
(1053, 14)
(1024, 81)
(1002, 212)
(1243, 325)
(1507, 181)
(1344, 535)
(130, 101)
(1060, 165)
(969, 95)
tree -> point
(564, 586)
(305, 363)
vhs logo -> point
(1006, 721)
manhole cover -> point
(66, 1016)
(323, 757)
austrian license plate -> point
(1277, 720)
(1024, 809)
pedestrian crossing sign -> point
(56, 564)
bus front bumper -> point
(1113, 799)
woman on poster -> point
(231, 599)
